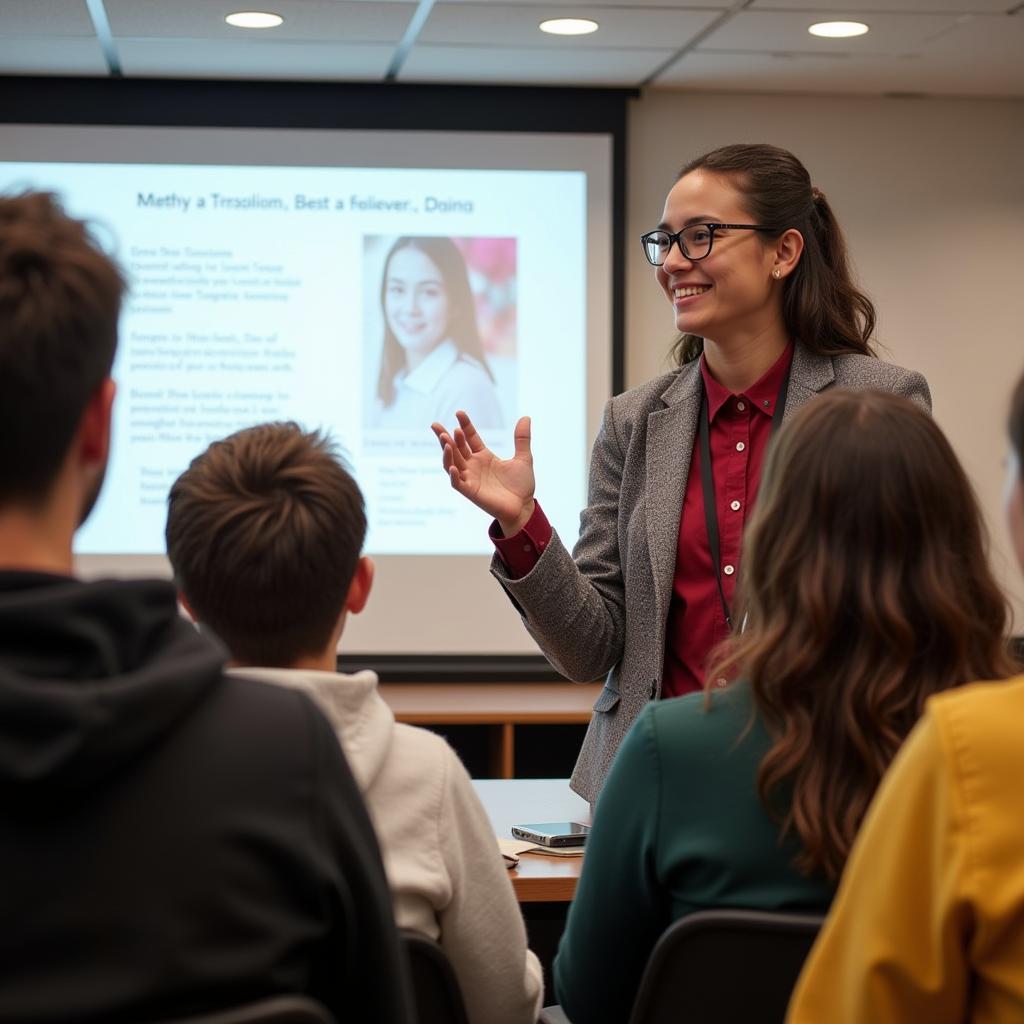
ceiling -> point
(931, 47)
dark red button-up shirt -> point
(741, 427)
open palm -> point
(503, 488)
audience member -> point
(264, 531)
(865, 589)
(174, 840)
(928, 924)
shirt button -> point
(740, 406)
(740, 446)
(720, 681)
(735, 506)
(526, 547)
(729, 570)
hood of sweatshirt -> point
(92, 674)
(353, 705)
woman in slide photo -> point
(432, 361)
(866, 588)
(754, 267)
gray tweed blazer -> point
(601, 612)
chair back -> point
(275, 1010)
(725, 967)
(436, 991)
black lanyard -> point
(708, 481)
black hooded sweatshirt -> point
(172, 840)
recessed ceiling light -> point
(254, 19)
(568, 26)
(838, 29)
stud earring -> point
(776, 273)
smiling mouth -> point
(689, 290)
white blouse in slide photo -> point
(445, 381)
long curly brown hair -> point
(865, 589)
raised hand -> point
(503, 488)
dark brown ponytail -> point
(822, 307)
(1016, 424)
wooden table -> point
(501, 706)
(508, 802)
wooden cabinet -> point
(506, 711)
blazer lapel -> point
(810, 375)
(671, 432)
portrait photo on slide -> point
(439, 331)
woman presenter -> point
(752, 261)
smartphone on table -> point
(553, 833)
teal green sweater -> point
(678, 827)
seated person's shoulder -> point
(694, 728)
(258, 718)
(422, 758)
(982, 724)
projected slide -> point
(366, 301)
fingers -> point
(462, 444)
(473, 438)
(454, 454)
(522, 437)
(459, 442)
(452, 458)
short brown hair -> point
(264, 533)
(60, 298)
(866, 588)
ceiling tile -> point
(836, 8)
(714, 7)
(982, 52)
(945, 71)
(192, 58)
(515, 66)
(316, 21)
(51, 57)
(786, 31)
(517, 26)
(44, 18)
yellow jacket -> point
(928, 924)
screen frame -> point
(151, 102)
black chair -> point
(436, 991)
(721, 967)
(275, 1010)
(726, 967)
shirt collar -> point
(762, 394)
(428, 374)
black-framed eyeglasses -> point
(694, 241)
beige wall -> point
(930, 193)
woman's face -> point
(1015, 504)
(415, 301)
(731, 290)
